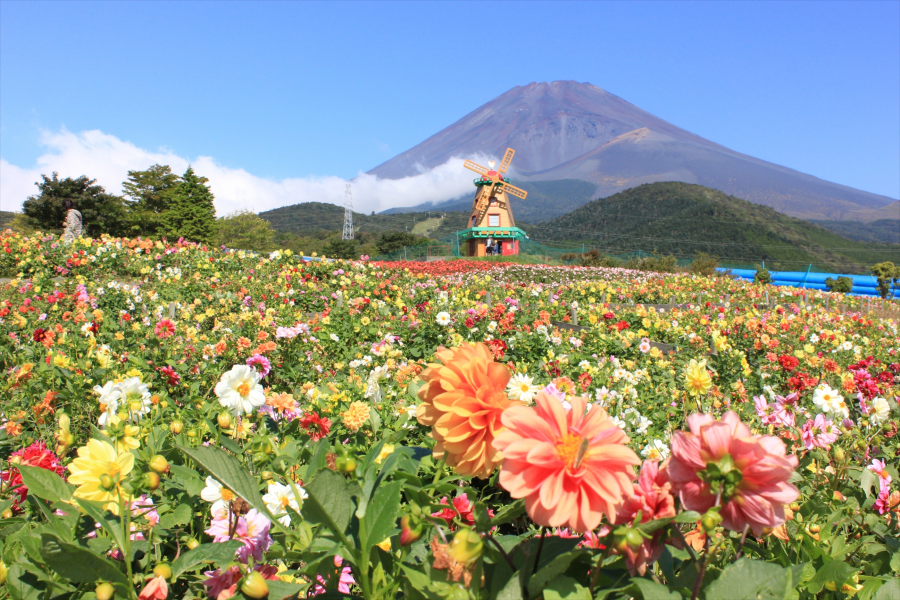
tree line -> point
(155, 203)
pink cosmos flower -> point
(879, 467)
(820, 433)
(722, 461)
(252, 529)
(343, 585)
(260, 364)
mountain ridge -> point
(571, 130)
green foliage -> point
(149, 195)
(101, 212)
(882, 231)
(192, 215)
(843, 285)
(888, 276)
(244, 230)
(762, 275)
(395, 240)
(655, 263)
(342, 249)
(704, 264)
(684, 219)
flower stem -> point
(741, 543)
(506, 557)
(540, 547)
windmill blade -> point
(507, 158)
(475, 167)
(514, 191)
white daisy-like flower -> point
(334, 337)
(881, 410)
(584, 365)
(847, 346)
(134, 397)
(279, 497)
(109, 401)
(618, 422)
(655, 450)
(604, 396)
(521, 387)
(239, 390)
(443, 318)
(828, 400)
(219, 495)
(643, 424)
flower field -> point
(189, 422)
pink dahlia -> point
(722, 462)
(651, 498)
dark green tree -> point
(888, 276)
(395, 240)
(192, 214)
(149, 194)
(841, 284)
(100, 212)
(342, 249)
(245, 230)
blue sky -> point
(318, 90)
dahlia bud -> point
(176, 427)
(466, 546)
(267, 475)
(253, 585)
(2, 572)
(838, 454)
(410, 530)
(346, 464)
(191, 543)
(163, 570)
(151, 481)
(224, 420)
(159, 464)
(107, 482)
(105, 591)
(710, 520)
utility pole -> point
(348, 214)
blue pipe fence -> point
(863, 285)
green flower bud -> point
(105, 591)
(254, 585)
(163, 570)
(466, 546)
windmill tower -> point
(348, 214)
(492, 215)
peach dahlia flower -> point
(462, 401)
(722, 458)
(571, 466)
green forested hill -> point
(312, 217)
(6, 218)
(684, 219)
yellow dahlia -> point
(99, 472)
(697, 379)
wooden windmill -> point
(492, 215)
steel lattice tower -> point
(348, 214)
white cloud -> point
(108, 159)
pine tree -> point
(149, 194)
(191, 214)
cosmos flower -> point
(571, 467)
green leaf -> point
(834, 570)
(555, 567)
(381, 516)
(329, 503)
(650, 590)
(688, 516)
(78, 564)
(45, 484)
(750, 580)
(566, 588)
(23, 585)
(233, 475)
(482, 518)
(112, 526)
(867, 480)
(180, 516)
(509, 512)
(889, 591)
(213, 553)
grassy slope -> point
(6, 218)
(684, 219)
(886, 231)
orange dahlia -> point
(462, 401)
(571, 466)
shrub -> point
(704, 264)
(843, 285)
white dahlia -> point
(239, 390)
